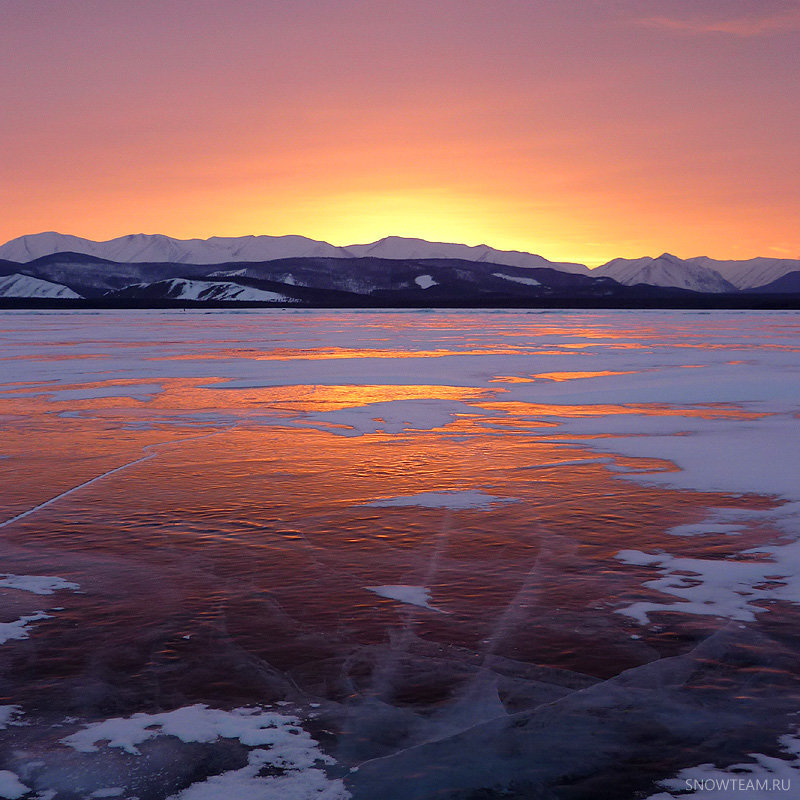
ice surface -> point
(655, 402)
(77, 488)
(199, 723)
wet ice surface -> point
(291, 554)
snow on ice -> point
(412, 595)
(449, 498)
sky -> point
(581, 130)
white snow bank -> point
(765, 778)
(742, 456)
(291, 750)
(517, 279)
(413, 595)
(10, 786)
(18, 629)
(38, 584)
(705, 528)
(246, 784)
(728, 587)
(449, 498)
(8, 715)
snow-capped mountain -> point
(19, 285)
(751, 272)
(666, 270)
(398, 247)
(154, 248)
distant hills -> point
(141, 247)
(701, 274)
(144, 270)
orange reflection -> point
(184, 394)
(570, 376)
(324, 354)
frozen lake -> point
(399, 555)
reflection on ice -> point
(259, 515)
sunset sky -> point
(578, 129)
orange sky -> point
(578, 129)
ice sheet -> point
(682, 401)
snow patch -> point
(517, 279)
(247, 784)
(183, 289)
(291, 750)
(425, 281)
(38, 584)
(10, 785)
(736, 587)
(253, 727)
(449, 498)
(413, 595)
(705, 528)
(18, 629)
(8, 716)
(19, 285)
(765, 778)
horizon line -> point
(384, 238)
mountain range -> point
(147, 269)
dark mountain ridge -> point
(323, 281)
